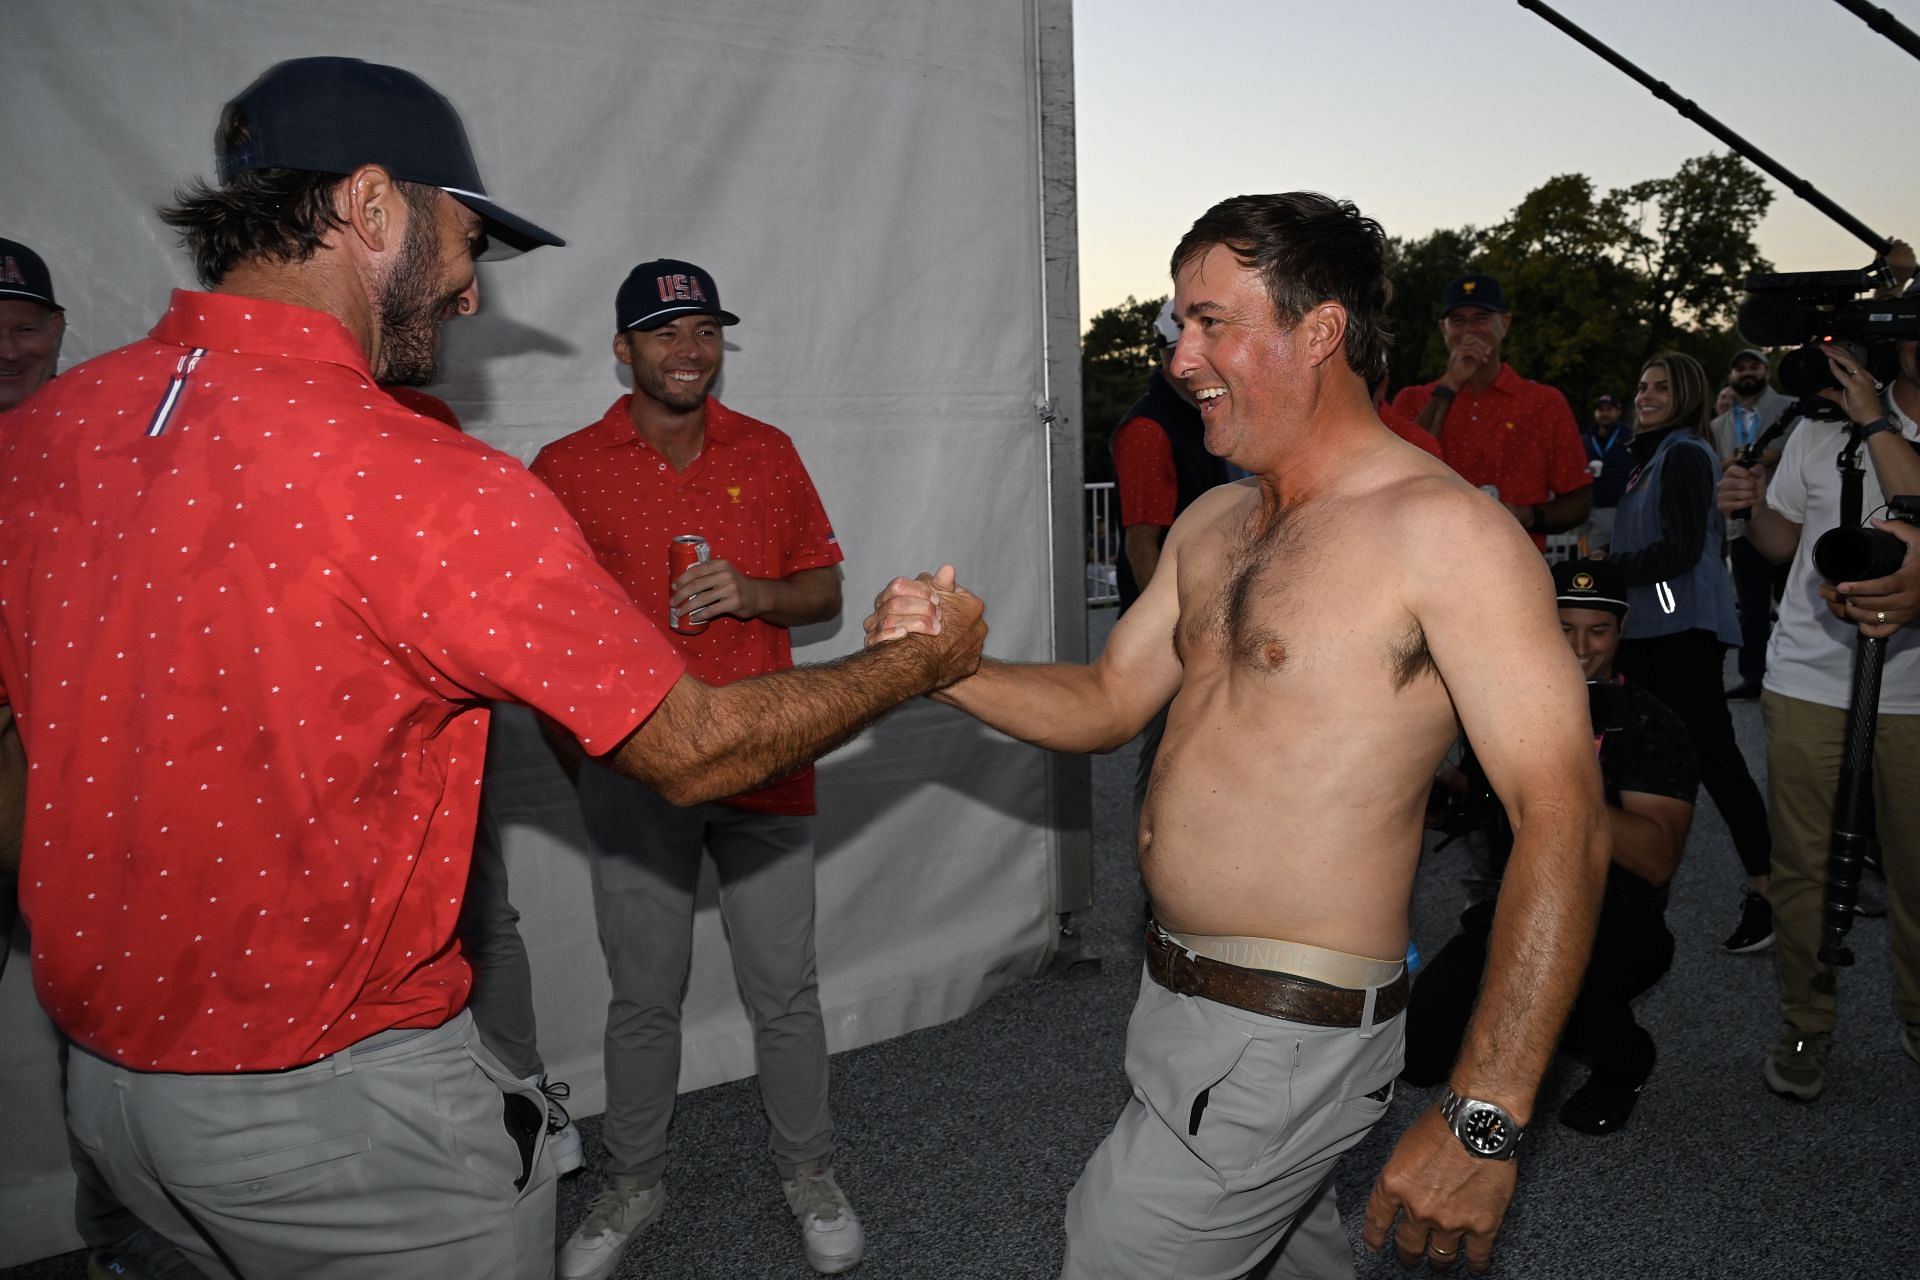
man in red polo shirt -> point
(670, 460)
(1514, 438)
(252, 614)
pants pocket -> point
(281, 1174)
(522, 1112)
(1220, 1089)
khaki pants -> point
(1805, 747)
(1226, 1150)
(410, 1156)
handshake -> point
(936, 606)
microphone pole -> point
(1885, 23)
(1686, 107)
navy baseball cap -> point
(666, 289)
(1589, 584)
(1605, 397)
(24, 275)
(332, 115)
(1473, 291)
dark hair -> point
(1308, 249)
(1692, 394)
(282, 215)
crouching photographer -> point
(1648, 768)
(1810, 683)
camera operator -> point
(1648, 769)
(1808, 686)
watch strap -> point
(1874, 428)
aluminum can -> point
(684, 552)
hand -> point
(1901, 261)
(1741, 488)
(1453, 1201)
(1884, 605)
(721, 588)
(1468, 357)
(906, 606)
(1857, 393)
(962, 631)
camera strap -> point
(1853, 480)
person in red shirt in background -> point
(1514, 438)
(665, 461)
(1160, 466)
(252, 619)
(1397, 422)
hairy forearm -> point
(1542, 935)
(1642, 846)
(1061, 707)
(1143, 551)
(706, 743)
(1567, 510)
(811, 595)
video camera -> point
(1804, 309)
(1863, 553)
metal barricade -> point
(1103, 546)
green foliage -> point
(1597, 283)
(1117, 352)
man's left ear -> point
(1326, 331)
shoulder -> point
(569, 450)
(745, 429)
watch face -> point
(1484, 1128)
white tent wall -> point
(884, 191)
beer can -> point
(684, 552)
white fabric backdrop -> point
(861, 178)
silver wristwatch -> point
(1484, 1128)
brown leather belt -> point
(1277, 995)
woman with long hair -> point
(1668, 543)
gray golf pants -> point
(397, 1158)
(645, 855)
(1226, 1149)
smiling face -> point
(29, 348)
(1463, 322)
(1235, 360)
(675, 364)
(1653, 399)
(1594, 635)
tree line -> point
(1598, 282)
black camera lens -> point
(1857, 555)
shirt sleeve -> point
(1143, 467)
(503, 600)
(1411, 400)
(807, 540)
(1566, 455)
(1654, 754)
(1787, 487)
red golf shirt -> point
(1517, 435)
(746, 493)
(1144, 474)
(251, 613)
(1410, 431)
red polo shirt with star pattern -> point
(746, 493)
(1517, 435)
(252, 613)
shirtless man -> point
(1323, 628)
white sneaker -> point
(563, 1140)
(828, 1226)
(619, 1213)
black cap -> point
(1589, 584)
(1473, 291)
(332, 115)
(24, 275)
(1605, 397)
(1749, 353)
(666, 289)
